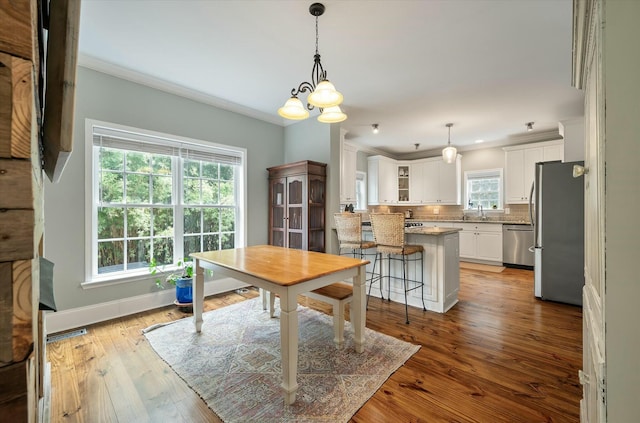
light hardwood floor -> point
(499, 355)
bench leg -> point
(272, 304)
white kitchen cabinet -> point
(481, 242)
(348, 159)
(382, 180)
(437, 182)
(520, 167)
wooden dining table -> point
(287, 273)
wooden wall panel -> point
(16, 235)
(13, 391)
(16, 112)
(16, 184)
(6, 105)
(61, 85)
(6, 314)
(23, 308)
(17, 29)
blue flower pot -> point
(184, 290)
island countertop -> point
(423, 230)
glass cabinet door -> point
(296, 191)
(277, 212)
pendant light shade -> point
(325, 95)
(332, 115)
(293, 109)
(449, 153)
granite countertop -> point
(473, 220)
(430, 231)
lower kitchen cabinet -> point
(481, 242)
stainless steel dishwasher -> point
(516, 240)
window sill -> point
(110, 280)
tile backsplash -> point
(517, 212)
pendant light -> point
(323, 94)
(449, 153)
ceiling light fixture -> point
(529, 126)
(323, 94)
(449, 153)
(374, 128)
(417, 145)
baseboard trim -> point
(60, 321)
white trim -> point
(96, 64)
(81, 316)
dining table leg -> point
(198, 295)
(359, 308)
(289, 345)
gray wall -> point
(110, 99)
(320, 142)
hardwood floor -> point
(499, 355)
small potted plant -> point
(182, 279)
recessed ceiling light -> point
(479, 141)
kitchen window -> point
(156, 196)
(483, 188)
(361, 191)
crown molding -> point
(117, 71)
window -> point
(483, 188)
(157, 196)
(361, 190)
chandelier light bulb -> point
(325, 95)
(375, 129)
(293, 109)
(529, 126)
(332, 114)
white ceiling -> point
(487, 66)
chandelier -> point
(449, 153)
(323, 94)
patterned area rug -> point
(234, 364)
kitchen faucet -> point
(481, 214)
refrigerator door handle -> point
(531, 203)
(531, 217)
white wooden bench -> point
(337, 294)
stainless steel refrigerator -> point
(558, 232)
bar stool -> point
(388, 233)
(349, 230)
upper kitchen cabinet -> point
(404, 175)
(348, 159)
(382, 180)
(520, 167)
(297, 196)
(436, 182)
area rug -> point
(483, 267)
(234, 364)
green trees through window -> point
(160, 206)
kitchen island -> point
(441, 268)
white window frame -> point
(472, 174)
(92, 278)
